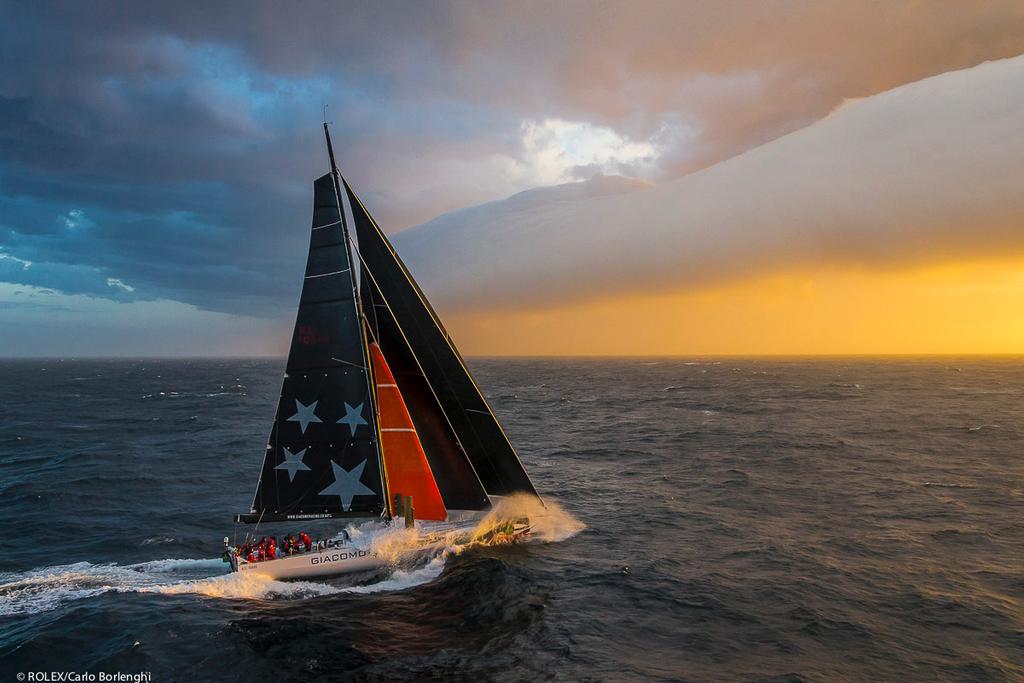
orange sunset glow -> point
(953, 308)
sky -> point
(564, 178)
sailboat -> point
(379, 418)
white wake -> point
(48, 588)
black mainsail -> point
(437, 361)
(323, 458)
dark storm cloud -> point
(183, 136)
(189, 137)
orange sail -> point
(404, 461)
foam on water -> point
(237, 586)
(45, 589)
(49, 587)
(404, 579)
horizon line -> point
(596, 356)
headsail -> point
(406, 465)
(459, 486)
(492, 456)
(323, 459)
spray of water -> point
(549, 521)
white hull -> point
(326, 562)
(349, 559)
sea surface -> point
(745, 520)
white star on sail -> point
(293, 463)
(304, 414)
(353, 418)
(347, 484)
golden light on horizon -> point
(953, 308)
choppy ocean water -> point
(753, 519)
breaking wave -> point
(978, 428)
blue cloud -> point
(63, 277)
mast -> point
(371, 383)
(341, 206)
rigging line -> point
(430, 385)
(423, 300)
(256, 529)
(408, 276)
(447, 337)
(375, 326)
(371, 379)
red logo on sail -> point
(308, 335)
